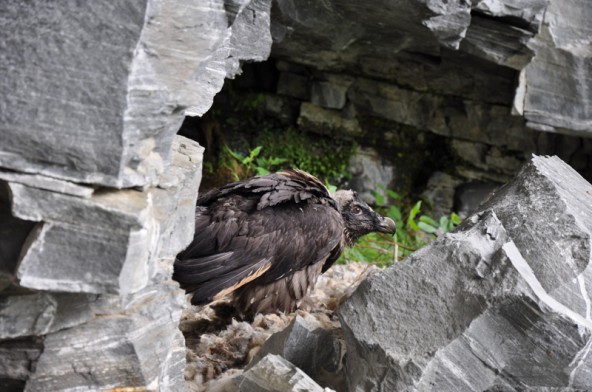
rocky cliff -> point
(97, 193)
(466, 88)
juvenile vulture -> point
(267, 239)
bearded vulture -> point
(266, 240)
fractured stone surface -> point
(116, 235)
(96, 93)
(274, 373)
(316, 351)
(502, 303)
(114, 322)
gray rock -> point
(330, 122)
(502, 303)
(554, 91)
(250, 37)
(117, 234)
(274, 373)
(47, 183)
(129, 346)
(41, 313)
(529, 12)
(106, 86)
(120, 244)
(470, 195)
(315, 351)
(370, 174)
(498, 42)
(440, 191)
(330, 93)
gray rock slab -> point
(139, 346)
(17, 361)
(250, 37)
(330, 93)
(498, 41)
(274, 373)
(13, 233)
(108, 243)
(96, 93)
(47, 183)
(501, 303)
(526, 11)
(314, 350)
(554, 91)
(41, 313)
(328, 122)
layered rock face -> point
(480, 85)
(97, 194)
(97, 91)
(502, 303)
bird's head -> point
(359, 217)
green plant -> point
(414, 230)
(253, 163)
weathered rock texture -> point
(97, 194)
(89, 302)
(95, 92)
(469, 88)
(502, 303)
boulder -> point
(314, 350)
(274, 373)
(501, 303)
(90, 303)
(97, 92)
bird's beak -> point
(386, 225)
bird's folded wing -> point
(264, 245)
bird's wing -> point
(289, 186)
(237, 242)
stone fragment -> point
(41, 313)
(450, 22)
(316, 119)
(250, 36)
(554, 88)
(314, 350)
(501, 303)
(330, 93)
(369, 173)
(13, 233)
(274, 373)
(47, 183)
(440, 191)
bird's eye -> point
(356, 210)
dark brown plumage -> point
(266, 240)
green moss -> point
(320, 156)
